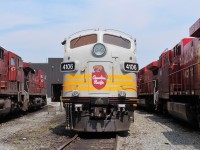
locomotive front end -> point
(99, 84)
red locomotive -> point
(147, 85)
(21, 87)
(174, 81)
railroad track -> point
(102, 141)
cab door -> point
(12, 66)
(41, 78)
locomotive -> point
(100, 82)
(21, 87)
(172, 83)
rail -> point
(91, 141)
(68, 142)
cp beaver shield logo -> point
(99, 77)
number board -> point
(130, 66)
(67, 66)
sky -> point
(34, 29)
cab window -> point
(166, 60)
(83, 40)
(177, 50)
(12, 62)
(1, 54)
(117, 40)
(20, 64)
(160, 62)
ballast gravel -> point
(44, 130)
(158, 132)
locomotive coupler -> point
(78, 107)
(121, 107)
(98, 107)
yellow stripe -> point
(90, 82)
(114, 89)
(106, 88)
(84, 83)
(108, 85)
(89, 76)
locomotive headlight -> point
(99, 50)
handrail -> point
(184, 68)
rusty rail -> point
(68, 142)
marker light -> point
(122, 93)
(75, 93)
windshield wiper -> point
(123, 38)
(77, 40)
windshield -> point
(83, 40)
(117, 40)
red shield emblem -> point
(99, 79)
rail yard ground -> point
(43, 130)
(157, 132)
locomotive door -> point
(41, 78)
(12, 65)
(100, 78)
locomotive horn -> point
(63, 42)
